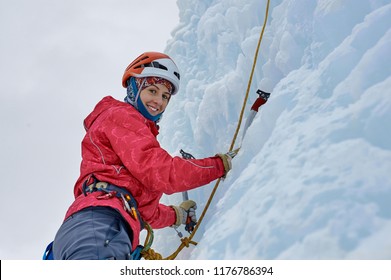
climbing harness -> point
(109, 191)
(130, 206)
(186, 241)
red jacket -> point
(120, 147)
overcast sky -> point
(57, 59)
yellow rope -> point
(251, 78)
(150, 254)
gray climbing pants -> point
(94, 233)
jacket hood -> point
(110, 103)
(103, 105)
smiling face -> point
(155, 98)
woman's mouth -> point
(153, 109)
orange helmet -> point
(153, 64)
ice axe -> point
(190, 224)
(262, 99)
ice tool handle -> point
(189, 226)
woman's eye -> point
(167, 97)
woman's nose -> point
(158, 99)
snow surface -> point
(312, 179)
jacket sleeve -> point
(162, 217)
(140, 152)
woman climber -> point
(124, 172)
